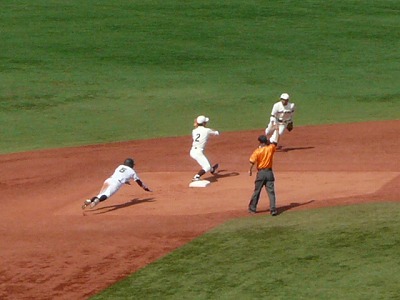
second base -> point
(199, 183)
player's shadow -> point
(107, 209)
(284, 208)
(287, 149)
(220, 174)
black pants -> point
(265, 178)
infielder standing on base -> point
(282, 115)
(262, 157)
(122, 175)
(200, 135)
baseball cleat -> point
(274, 212)
(86, 203)
(94, 202)
(195, 178)
(214, 169)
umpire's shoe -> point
(252, 211)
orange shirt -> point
(262, 157)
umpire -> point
(263, 157)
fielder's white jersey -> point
(124, 174)
(200, 136)
(283, 113)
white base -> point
(199, 183)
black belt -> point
(266, 169)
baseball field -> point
(86, 84)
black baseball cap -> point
(263, 139)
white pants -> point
(110, 187)
(202, 160)
(273, 138)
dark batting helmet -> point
(129, 162)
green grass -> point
(348, 252)
(85, 72)
(76, 73)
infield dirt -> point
(51, 249)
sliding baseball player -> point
(122, 175)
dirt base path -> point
(51, 250)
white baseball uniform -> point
(122, 174)
(200, 137)
(281, 115)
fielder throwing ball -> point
(282, 115)
(122, 175)
(200, 135)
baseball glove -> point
(289, 126)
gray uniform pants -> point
(265, 177)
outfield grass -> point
(348, 252)
(76, 73)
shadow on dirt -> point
(220, 175)
(106, 209)
(284, 208)
(283, 149)
(281, 209)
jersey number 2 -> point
(197, 137)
